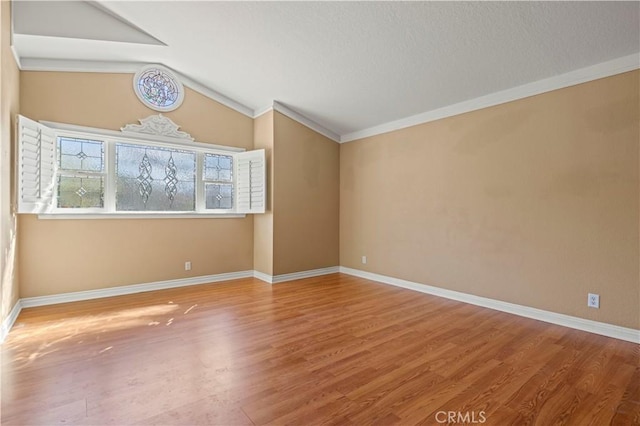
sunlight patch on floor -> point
(45, 336)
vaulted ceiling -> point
(351, 67)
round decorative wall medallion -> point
(158, 88)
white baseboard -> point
(10, 320)
(304, 274)
(275, 279)
(604, 329)
(29, 302)
(609, 330)
(263, 277)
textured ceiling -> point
(348, 66)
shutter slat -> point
(30, 184)
(31, 156)
(31, 146)
(30, 164)
(28, 131)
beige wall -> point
(9, 105)
(58, 256)
(533, 202)
(300, 230)
(263, 223)
(306, 198)
(108, 101)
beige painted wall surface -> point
(9, 105)
(108, 101)
(533, 202)
(306, 198)
(263, 223)
(58, 256)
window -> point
(65, 169)
(152, 178)
(217, 175)
(158, 88)
(80, 174)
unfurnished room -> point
(310, 213)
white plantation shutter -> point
(36, 166)
(251, 182)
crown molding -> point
(63, 65)
(300, 118)
(583, 75)
(67, 65)
(16, 58)
(261, 111)
(295, 115)
(216, 96)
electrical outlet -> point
(187, 266)
(364, 260)
(593, 301)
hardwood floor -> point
(329, 350)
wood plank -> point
(336, 350)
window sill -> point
(140, 216)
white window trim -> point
(111, 137)
(140, 215)
(139, 137)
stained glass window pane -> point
(80, 155)
(218, 196)
(158, 88)
(80, 192)
(150, 178)
(218, 168)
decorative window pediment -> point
(157, 125)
